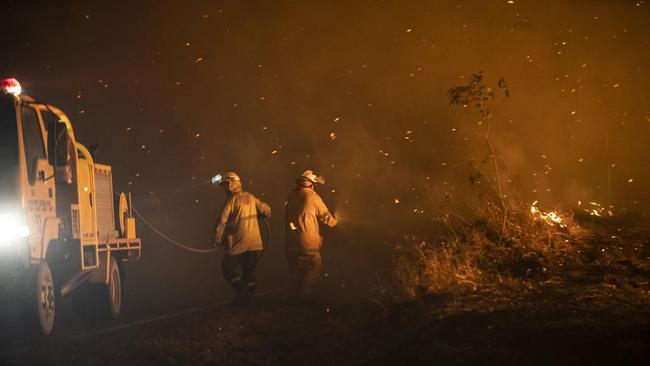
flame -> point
(596, 209)
(551, 217)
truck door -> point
(38, 190)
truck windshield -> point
(8, 150)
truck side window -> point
(33, 140)
(56, 138)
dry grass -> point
(473, 255)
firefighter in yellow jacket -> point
(303, 212)
(239, 233)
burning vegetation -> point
(500, 243)
(474, 254)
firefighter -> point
(304, 211)
(238, 232)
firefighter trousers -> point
(239, 271)
(304, 270)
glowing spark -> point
(598, 210)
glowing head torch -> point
(217, 179)
(12, 227)
(228, 177)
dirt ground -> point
(553, 324)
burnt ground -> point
(590, 314)
(553, 324)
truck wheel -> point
(41, 301)
(97, 302)
(114, 290)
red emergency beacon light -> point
(10, 86)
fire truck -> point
(63, 230)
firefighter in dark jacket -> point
(238, 232)
(303, 212)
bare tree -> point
(480, 98)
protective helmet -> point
(228, 177)
(231, 183)
(231, 177)
(309, 175)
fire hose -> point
(265, 243)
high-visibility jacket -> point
(237, 229)
(304, 210)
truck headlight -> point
(12, 226)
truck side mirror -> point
(38, 171)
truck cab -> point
(63, 230)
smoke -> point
(356, 91)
